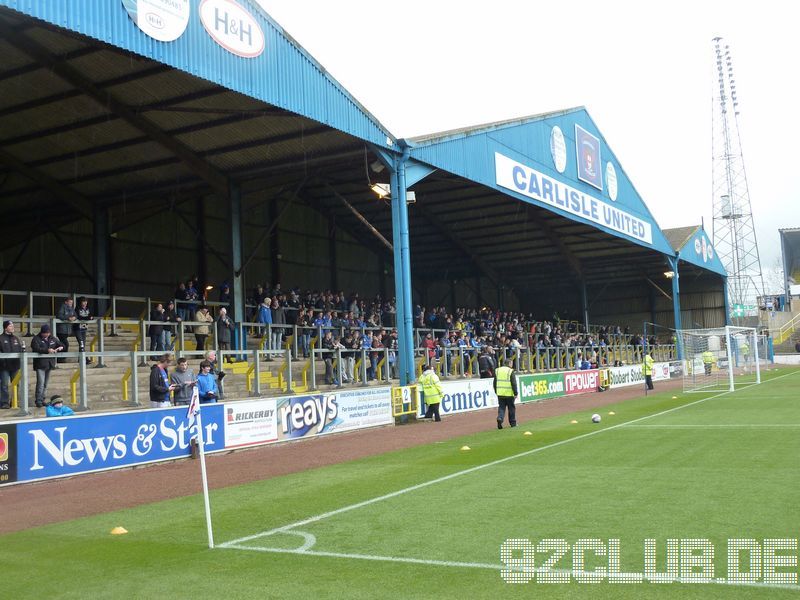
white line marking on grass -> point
(499, 567)
(720, 426)
(493, 463)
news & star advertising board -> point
(50, 448)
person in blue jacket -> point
(207, 384)
(56, 408)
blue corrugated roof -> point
(488, 153)
(697, 250)
(283, 75)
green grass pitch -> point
(429, 522)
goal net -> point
(721, 359)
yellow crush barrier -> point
(73, 385)
(124, 384)
(15, 390)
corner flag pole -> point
(194, 413)
(644, 353)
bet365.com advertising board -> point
(538, 387)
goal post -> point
(722, 358)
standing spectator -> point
(180, 296)
(487, 363)
(392, 344)
(183, 377)
(156, 328)
(192, 296)
(432, 392)
(201, 332)
(66, 316)
(505, 384)
(647, 369)
(265, 318)
(171, 316)
(56, 408)
(207, 384)
(225, 294)
(351, 344)
(84, 315)
(47, 345)
(160, 386)
(224, 329)
(8, 366)
(278, 321)
(328, 343)
(219, 375)
(304, 332)
(430, 347)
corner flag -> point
(194, 406)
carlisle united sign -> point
(531, 183)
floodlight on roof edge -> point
(382, 189)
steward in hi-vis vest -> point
(647, 369)
(505, 384)
(432, 392)
(708, 361)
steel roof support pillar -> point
(725, 296)
(237, 283)
(402, 268)
(584, 305)
(676, 301)
(101, 253)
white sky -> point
(643, 70)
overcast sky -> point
(643, 70)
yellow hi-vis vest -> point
(504, 388)
(430, 387)
(648, 365)
(744, 348)
(708, 357)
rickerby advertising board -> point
(464, 396)
(318, 414)
(250, 423)
(82, 444)
(540, 386)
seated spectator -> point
(56, 408)
(207, 384)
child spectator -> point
(56, 408)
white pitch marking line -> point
(493, 463)
(499, 567)
(719, 426)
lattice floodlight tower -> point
(722, 358)
(733, 232)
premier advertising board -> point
(538, 387)
(71, 445)
(465, 396)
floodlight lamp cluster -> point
(382, 189)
